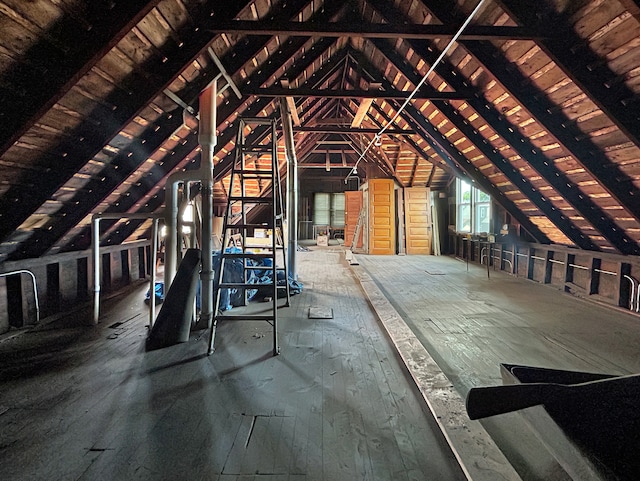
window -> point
(337, 210)
(321, 209)
(482, 212)
(328, 209)
(473, 209)
(464, 206)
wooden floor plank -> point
(470, 324)
(89, 403)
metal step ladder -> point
(254, 184)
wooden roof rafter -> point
(516, 85)
(89, 138)
(379, 30)
(582, 203)
(103, 29)
(595, 81)
(616, 182)
(459, 163)
(562, 222)
(228, 111)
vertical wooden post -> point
(53, 289)
(105, 279)
(568, 270)
(593, 285)
(125, 267)
(530, 261)
(83, 275)
(548, 267)
(14, 300)
(623, 286)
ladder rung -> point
(253, 176)
(254, 226)
(246, 317)
(228, 255)
(252, 200)
(230, 285)
(257, 120)
(256, 148)
(253, 172)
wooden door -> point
(353, 205)
(417, 211)
(382, 225)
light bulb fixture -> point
(187, 215)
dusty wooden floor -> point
(470, 324)
(88, 403)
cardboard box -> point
(322, 240)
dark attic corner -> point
(319, 240)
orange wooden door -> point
(382, 225)
(353, 205)
(417, 220)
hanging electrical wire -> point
(377, 138)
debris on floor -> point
(320, 313)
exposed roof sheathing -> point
(536, 103)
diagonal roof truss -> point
(536, 104)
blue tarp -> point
(233, 272)
(159, 290)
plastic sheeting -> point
(233, 272)
(159, 291)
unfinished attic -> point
(319, 239)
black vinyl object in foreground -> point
(591, 420)
(173, 323)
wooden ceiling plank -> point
(517, 85)
(203, 80)
(449, 154)
(280, 58)
(551, 174)
(85, 48)
(572, 60)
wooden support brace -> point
(623, 286)
(593, 285)
(548, 267)
(568, 269)
(530, 262)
